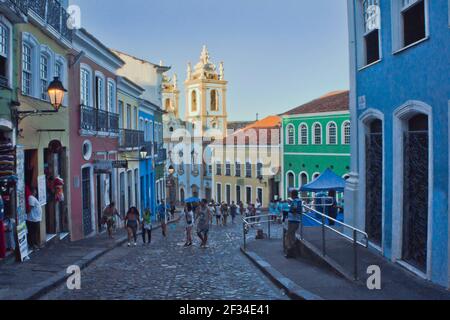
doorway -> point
(86, 201)
(415, 192)
(374, 181)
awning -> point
(325, 182)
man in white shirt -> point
(34, 219)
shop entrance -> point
(55, 173)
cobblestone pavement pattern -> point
(166, 270)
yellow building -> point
(44, 135)
(246, 165)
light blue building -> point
(398, 191)
(150, 121)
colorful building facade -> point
(247, 165)
(94, 132)
(316, 136)
(398, 191)
(41, 54)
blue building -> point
(149, 114)
(398, 191)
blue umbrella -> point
(192, 200)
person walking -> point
(212, 209)
(233, 211)
(132, 224)
(147, 226)
(218, 212)
(189, 219)
(162, 218)
(224, 212)
(241, 208)
(34, 219)
(109, 218)
(203, 218)
(294, 216)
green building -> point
(316, 136)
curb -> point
(47, 285)
(293, 290)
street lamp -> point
(56, 92)
(143, 153)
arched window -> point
(194, 101)
(214, 101)
(290, 178)
(331, 133)
(167, 104)
(290, 134)
(317, 133)
(315, 176)
(303, 138)
(346, 131)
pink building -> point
(94, 132)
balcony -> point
(15, 10)
(95, 120)
(131, 139)
(53, 14)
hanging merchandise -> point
(58, 187)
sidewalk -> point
(306, 279)
(47, 267)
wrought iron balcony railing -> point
(99, 120)
(131, 138)
(3, 82)
(21, 5)
(52, 13)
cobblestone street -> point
(166, 270)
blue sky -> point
(278, 54)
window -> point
(248, 194)
(218, 169)
(121, 115)
(58, 70)
(413, 15)
(4, 48)
(303, 134)
(371, 10)
(214, 101)
(219, 193)
(85, 86)
(332, 133)
(290, 134)
(346, 131)
(27, 74)
(290, 178)
(248, 169)
(228, 169)
(194, 101)
(259, 168)
(129, 121)
(238, 169)
(135, 118)
(317, 133)
(238, 194)
(43, 71)
(409, 25)
(228, 193)
(99, 98)
(259, 193)
(111, 102)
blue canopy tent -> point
(327, 181)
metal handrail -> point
(246, 224)
(353, 239)
(364, 234)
